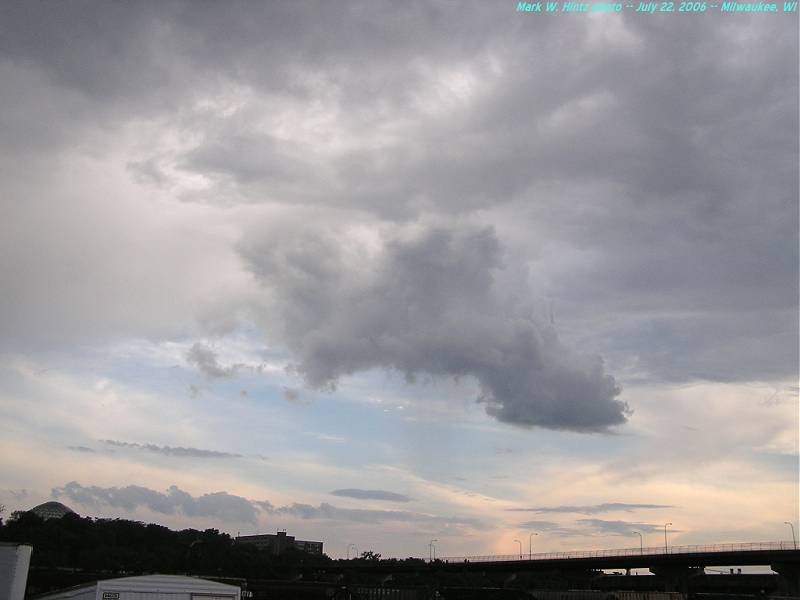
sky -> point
(379, 273)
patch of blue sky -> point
(432, 429)
(785, 464)
(41, 416)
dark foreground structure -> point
(676, 572)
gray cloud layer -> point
(173, 450)
(590, 509)
(233, 508)
(371, 495)
(433, 302)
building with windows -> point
(52, 510)
(277, 543)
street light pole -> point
(666, 548)
(431, 550)
(794, 539)
(520, 548)
(530, 537)
(641, 543)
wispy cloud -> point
(19, 494)
(617, 527)
(327, 437)
(591, 509)
(205, 359)
(80, 449)
(584, 527)
(327, 511)
(551, 528)
(173, 451)
(294, 396)
(371, 495)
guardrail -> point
(652, 551)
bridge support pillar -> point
(789, 581)
(676, 579)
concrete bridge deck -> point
(676, 565)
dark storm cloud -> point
(371, 495)
(430, 302)
(655, 197)
(591, 509)
(219, 505)
(111, 62)
(173, 451)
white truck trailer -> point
(148, 587)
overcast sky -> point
(380, 272)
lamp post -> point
(666, 548)
(641, 543)
(520, 548)
(530, 537)
(794, 539)
(431, 551)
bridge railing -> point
(652, 551)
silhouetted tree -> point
(116, 547)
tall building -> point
(279, 542)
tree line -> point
(125, 547)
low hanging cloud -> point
(221, 505)
(229, 507)
(173, 450)
(371, 495)
(434, 300)
(590, 509)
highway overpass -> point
(675, 564)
